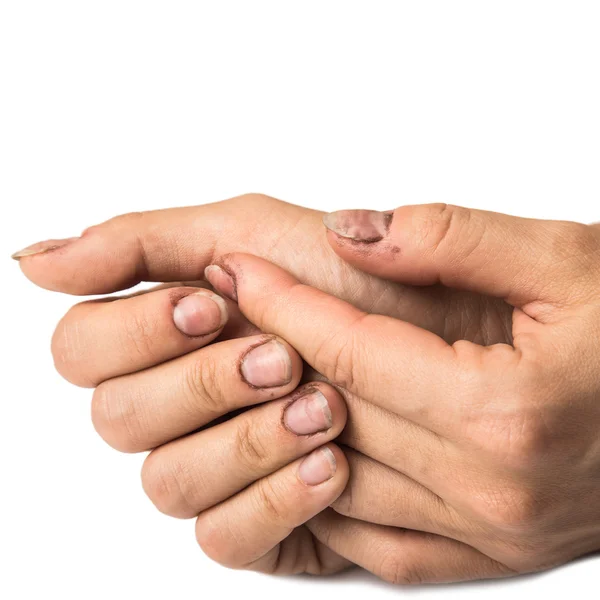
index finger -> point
(394, 364)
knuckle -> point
(527, 430)
(574, 251)
(572, 240)
(124, 221)
(251, 449)
(511, 509)
(528, 440)
(520, 439)
(272, 503)
(140, 334)
(339, 354)
(203, 383)
(116, 419)
(440, 224)
(397, 570)
(168, 486)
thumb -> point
(519, 260)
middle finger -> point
(140, 411)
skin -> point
(483, 472)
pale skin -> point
(467, 410)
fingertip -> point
(326, 466)
(85, 265)
(201, 313)
(271, 363)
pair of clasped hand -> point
(416, 392)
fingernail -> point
(317, 467)
(360, 225)
(268, 365)
(42, 247)
(222, 281)
(200, 313)
(308, 414)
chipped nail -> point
(366, 226)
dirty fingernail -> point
(268, 365)
(360, 225)
(222, 281)
(317, 467)
(200, 314)
(308, 414)
(42, 247)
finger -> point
(399, 502)
(189, 475)
(246, 530)
(98, 340)
(143, 410)
(162, 245)
(384, 437)
(237, 325)
(350, 348)
(402, 556)
(520, 260)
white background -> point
(114, 106)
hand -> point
(489, 454)
(130, 350)
(176, 245)
(159, 385)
